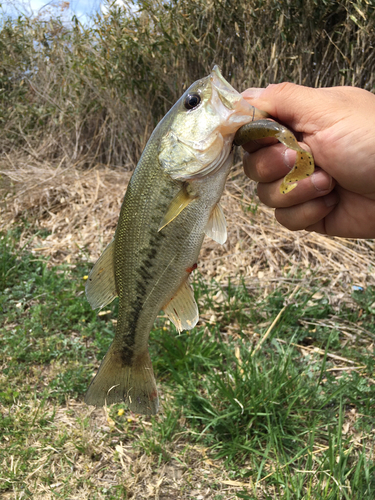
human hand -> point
(337, 125)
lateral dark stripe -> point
(144, 271)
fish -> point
(171, 204)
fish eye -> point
(192, 101)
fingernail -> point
(321, 180)
(331, 199)
(253, 93)
(289, 158)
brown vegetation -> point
(91, 95)
(76, 97)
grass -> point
(292, 420)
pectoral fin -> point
(217, 227)
(182, 310)
(179, 202)
(101, 285)
(304, 165)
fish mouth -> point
(230, 104)
(224, 111)
(233, 100)
(228, 95)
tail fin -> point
(116, 382)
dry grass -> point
(91, 94)
(89, 461)
(79, 209)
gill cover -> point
(200, 138)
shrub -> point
(92, 94)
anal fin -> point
(101, 284)
(182, 310)
(179, 202)
(217, 227)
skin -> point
(337, 126)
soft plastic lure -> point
(304, 165)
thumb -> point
(292, 104)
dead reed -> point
(89, 95)
(78, 211)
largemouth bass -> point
(171, 203)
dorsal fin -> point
(101, 284)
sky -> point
(81, 8)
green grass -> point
(283, 421)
